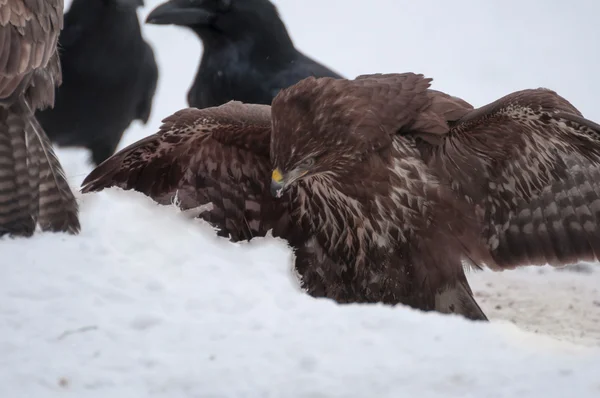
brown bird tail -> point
(58, 208)
(16, 216)
(458, 299)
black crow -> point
(248, 55)
(33, 188)
(109, 77)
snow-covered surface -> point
(148, 303)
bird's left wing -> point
(215, 156)
(529, 164)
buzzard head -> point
(322, 127)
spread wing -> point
(217, 156)
(529, 164)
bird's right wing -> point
(215, 156)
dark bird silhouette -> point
(383, 186)
(109, 77)
(247, 54)
(33, 187)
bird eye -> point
(308, 163)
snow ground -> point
(147, 303)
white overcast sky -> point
(476, 49)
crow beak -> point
(181, 13)
(277, 184)
(130, 3)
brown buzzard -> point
(33, 187)
(382, 185)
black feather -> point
(109, 77)
(248, 55)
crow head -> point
(235, 19)
(190, 13)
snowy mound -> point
(148, 303)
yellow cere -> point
(276, 176)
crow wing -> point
(147, 84)
(302, 67)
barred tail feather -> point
(34, 152)
(16, 217)
(58, 208)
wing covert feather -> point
(217, 156)
(529, 164)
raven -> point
(109, 77)
(248, 55)
(33, 188)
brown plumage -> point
(33, 187)
(384, 186)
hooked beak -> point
(277, 183)
(280, 182)
(180, 12)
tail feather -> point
(33, 186)
(58, 208)
(15, 191)
(34, 152)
